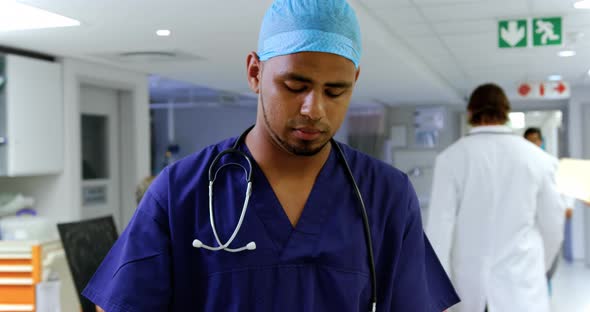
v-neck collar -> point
(270, 211)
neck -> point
(275, 160)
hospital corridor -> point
(295, 155)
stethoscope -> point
(252, 245)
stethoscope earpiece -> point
(198, 244)
(251, 246)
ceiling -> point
(458, 40)
(414, 51)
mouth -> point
(307, 134)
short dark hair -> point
(488, 103)
(533, 130)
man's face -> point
(535, 138)
(303, 98)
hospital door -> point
(100, 161)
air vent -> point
(150, 57)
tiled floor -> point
(571, 288)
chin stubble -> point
(282, 143)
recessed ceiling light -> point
(588, 72)
(584, 4)
(555, 78)
(163, 32)
(566, 53)
(19, 16)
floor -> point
(571, 288)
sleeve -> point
(442, 212)
(135, 274)
(420, 282)
(550, 217)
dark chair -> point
(85, 244)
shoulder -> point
(458, 148)
(535, 156)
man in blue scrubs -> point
(303, 225)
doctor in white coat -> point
(495, 218)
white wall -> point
(134, 131)
(586, 130)
(579, 139)
(551, 134)
(58, 196)
(576, 126)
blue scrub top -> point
(318, 265)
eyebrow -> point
(301, 78)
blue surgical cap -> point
(292, 26)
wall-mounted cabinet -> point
(31, 116)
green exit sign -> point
(512, 33)
(530, 32)
(547, 31)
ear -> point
(358, 72)
(253, 70)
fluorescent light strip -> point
(18, 16)
(566, 53)
(584, 4)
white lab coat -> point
(496, 220)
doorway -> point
(551, 125)
(101, 156)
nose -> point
(314, 106)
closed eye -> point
(295, 86)
(296, 90)
(334, 93)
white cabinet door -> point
(33, 117)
